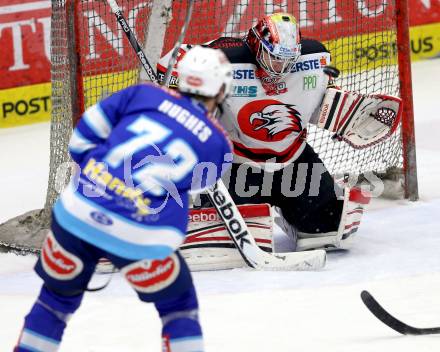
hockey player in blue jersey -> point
(137, 153)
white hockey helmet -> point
(203, 71)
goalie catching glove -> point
(360, 120)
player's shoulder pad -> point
(312, 46)
(235, 49)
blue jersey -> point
(140, 152)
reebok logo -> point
(229, 215)
(202, 217)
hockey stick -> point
(133, 41)
(245, 242)
(237, 228)
(380, 313)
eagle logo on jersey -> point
(277, 118)
(269, 120)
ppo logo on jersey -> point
(150, 276)
(269, 120)
(57, 262)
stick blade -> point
(298, 261)
(380, 313)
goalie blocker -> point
(360, 120)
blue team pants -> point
(66, 265)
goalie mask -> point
(204, 71)
(275, 41)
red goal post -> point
(91, 58)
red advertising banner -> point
(25, 35)
(24, 42)
(424, 12)
(25, 27)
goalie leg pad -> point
(290, 230)
(354, 201)
(208, 245)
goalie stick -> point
(380, 313)
(252, 254)
(234, 222)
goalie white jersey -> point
(266, 119)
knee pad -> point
(62, 269)
(155, 280)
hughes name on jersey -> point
(266, 119)
(138, 152)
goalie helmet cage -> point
(91, 58)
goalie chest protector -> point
(269, 125)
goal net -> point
(91, 58)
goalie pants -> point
(66, 265)
(304, 191)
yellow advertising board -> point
(367, 51)
(25, 105)
(425, 41)
(31, 104)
